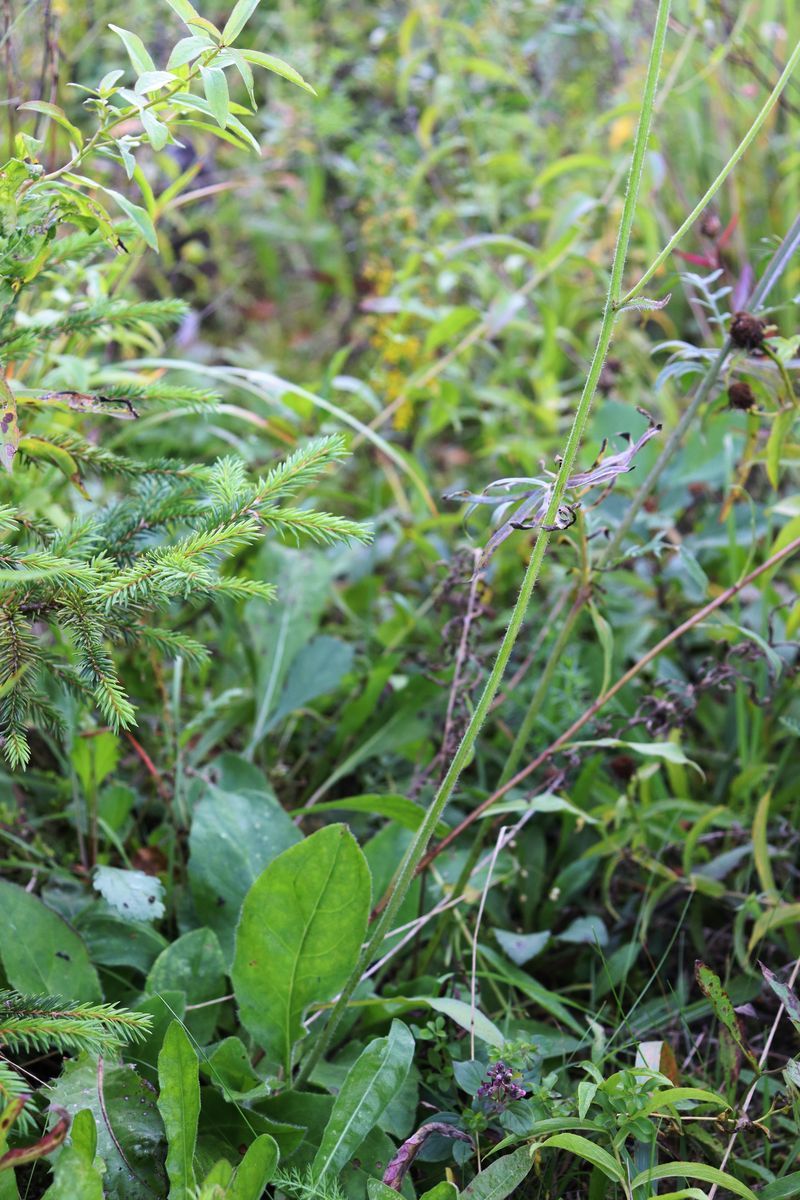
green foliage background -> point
(226, 765)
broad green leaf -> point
(225, 1128)
(162, 1009)
(207, 26)
(179, 1105)
(193, 964)
(246, 73)
(501, 1177)
(522, 947)
(157, 132)
(545, 802)
(668, 751)
(187, 49)
(668, 1097)
(215, 86)
(786, 996)
(241, 13)
(137, 215)
(466, 1016)
(270, 63)
(184, 10)
(374, 1079)
(378, 1190)
(40, 952)
(581, 1147)
(256, 1169)
(444, 1190)
(228, 1064)
(587, 1090)
(130, 1134)
(689, 1170)
(317, 668)
(281, 630)
(75, 1177)
(585, 931)
(299, 937)
(787, 1188)
(711, 986)
(234, 836)
(151, 81)
(683, 1194)
(219, 1176)
(132, 895)
(137, 51)
(58, 115)
(405, 812)
(114, 942)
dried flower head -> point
(747, 331)
(741, 396)
(529, 506)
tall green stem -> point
(766, 109)
(465, 750)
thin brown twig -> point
(603, 699)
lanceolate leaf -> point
(501, 1177)
(255, 1170)
(581, 1147)
(302, 925)
(137, 51)
(241, 13)
(40, 952)
(689, 1170)
(372, 1082)
(179, 1105)
(711, 986)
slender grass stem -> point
(462, 756)
(749, 137)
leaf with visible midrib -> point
(373, 1080)
(179, 1105)
(501, 1177)
(40, 952)
(299, 936)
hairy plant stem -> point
(777, 265)
(512, 761)
(462, 756)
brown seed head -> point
(740, 395)
(747, 331)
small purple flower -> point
(500, 1087)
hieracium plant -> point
(86, 580)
